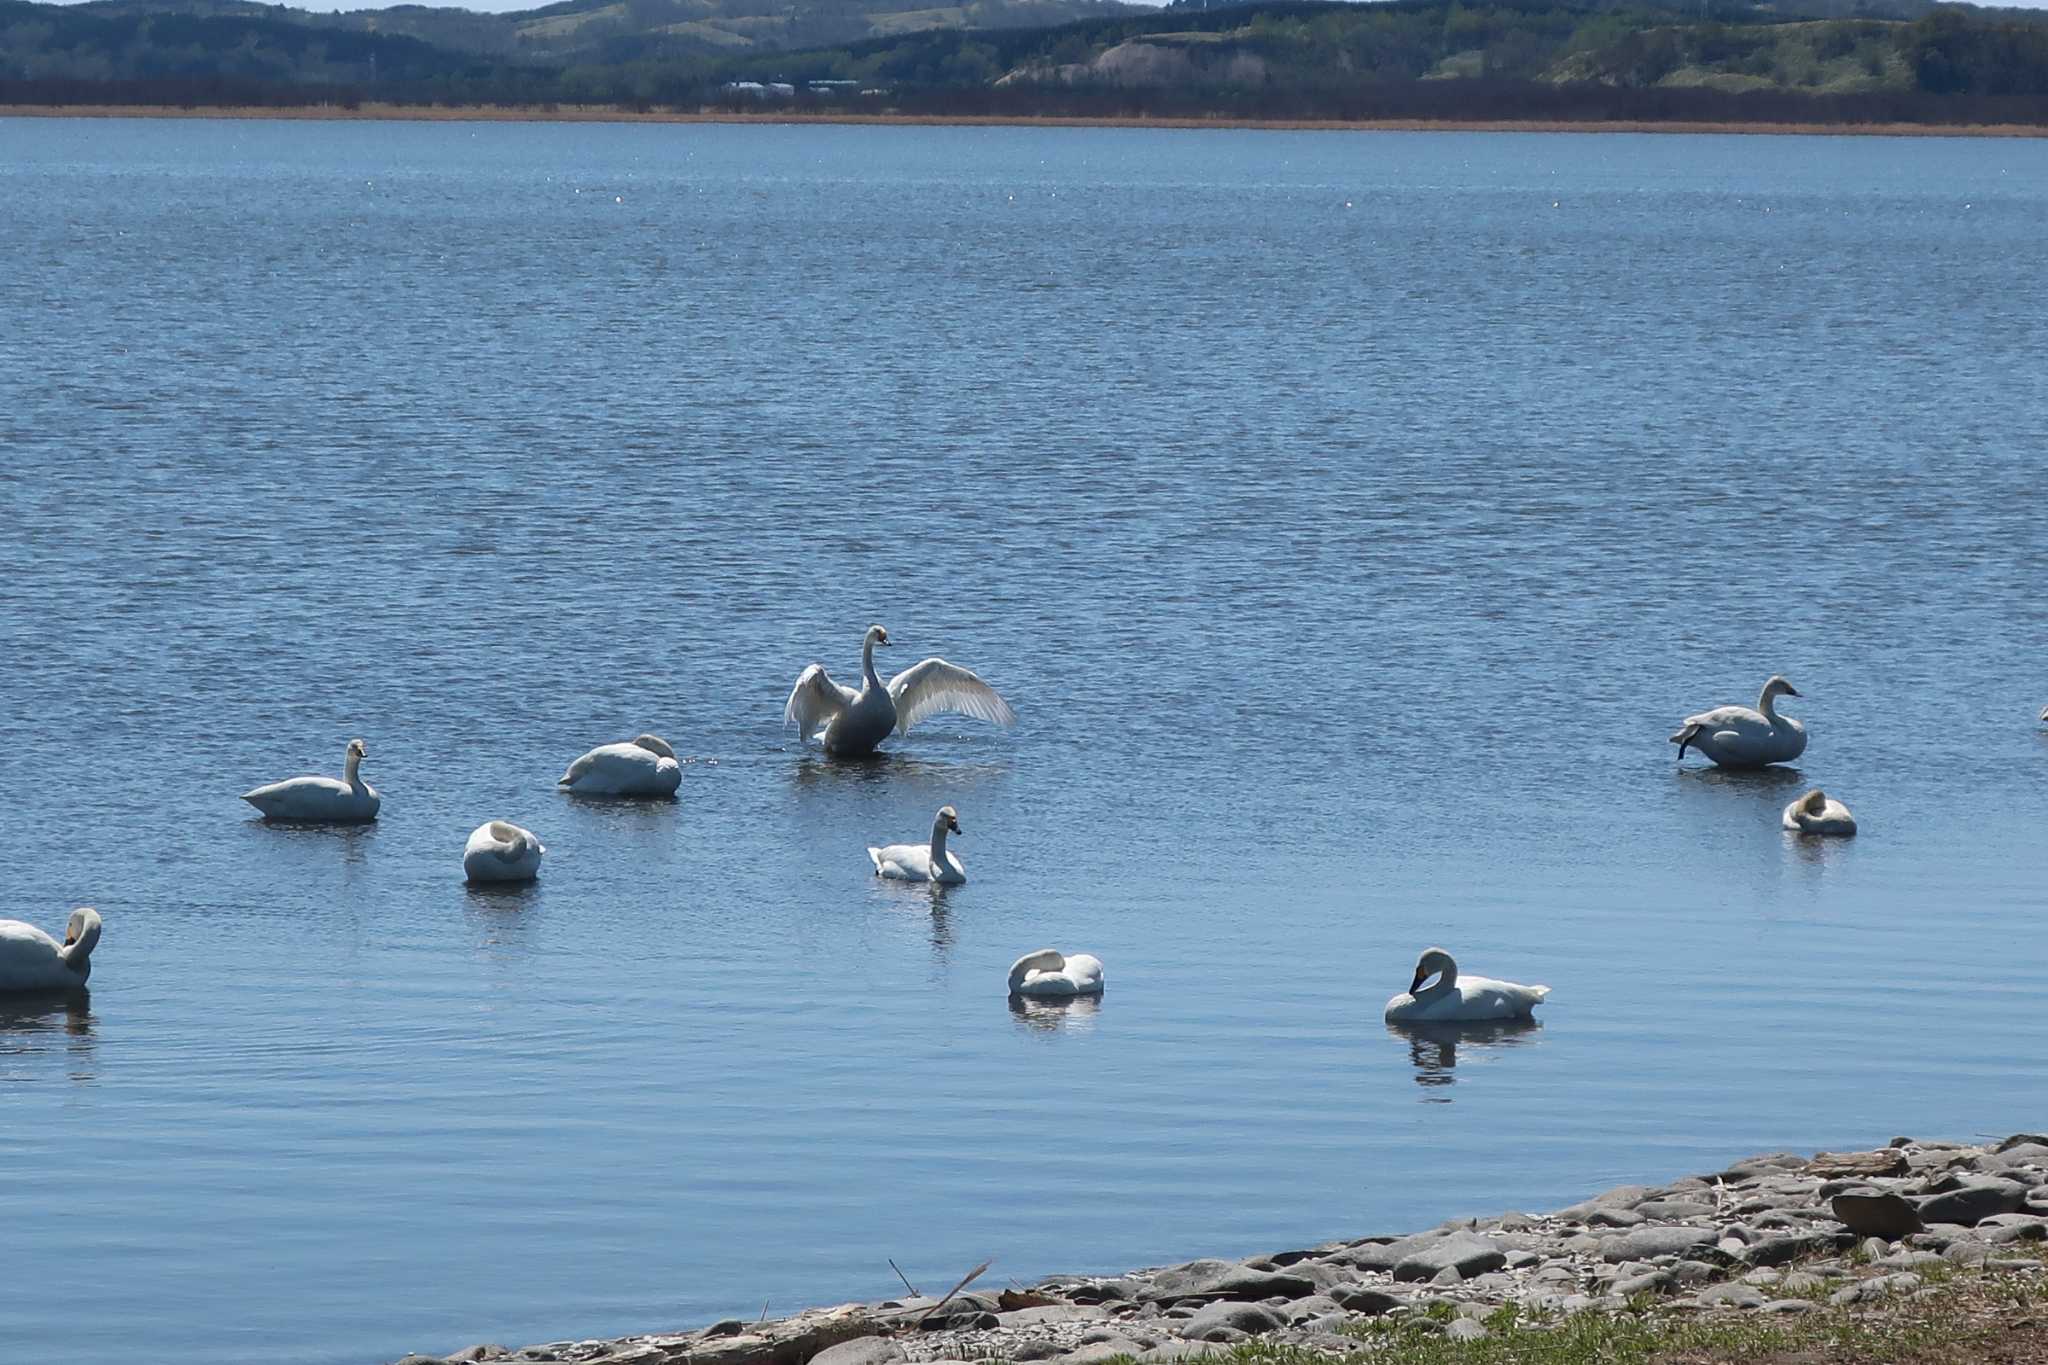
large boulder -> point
(1227, 1280)
(1642, 1244)
(1467, 1253)
(1877, 1214)
(1973, 1200)
(1216, 1321)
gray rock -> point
(1778, 1250)
(417, 1359)
(2024, 1154)
(1174, 1351)
(484, 1350)
(862, 1351)
(1219, 1320)
(724, 1327)
(1615, 1218)
(1365, 1299)
(1465, 1329)
(1877, 1215)
(1620, 1197)
(1887, 1161)
(1378, 1255)
(1100, 1350)
(1791, 1306)
(1649, 1282)
(1972, 1202)
(1314, 1306)
(1105, 1291)
(1675, 1210)
(1227, 1280)
(1038, 1348)
(1730, 1296)
(1054, 1312)
(1467, 1253)
(2003, 1228)
(1643, 1243)
(1770, 1163)
(1966, 1252)
(1909, 1260)
(2021, 1140)
(1695, 1272)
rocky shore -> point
(1776, 1235)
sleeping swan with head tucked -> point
(1051, 974)
(1460, 997)
(644, 766)
(500, 851)
(851, 723)
(30, 960)
(1818, 813)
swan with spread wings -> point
(850, 723)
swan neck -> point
(867, 662)
(349, 767)
(1768, 704)
(939, 842)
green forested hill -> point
(1707, 59)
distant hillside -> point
(631, 30)
(1706, 60)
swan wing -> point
(815, 702)
(903, 862)
(25, 941)
(936, 687)
(1742, 718)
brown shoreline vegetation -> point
(491, 113)
(1915, 1253)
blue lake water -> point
(1349, 518)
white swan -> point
(852, 723)
(500, 851)
(1742, 737)
(923, 862)
(1050, 973)
(1818, 813)
(321, 798)
(30, 960)
(1456, 997)
(644, 766)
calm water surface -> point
(1349, 517)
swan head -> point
(1778, 687)
(949, 820)
(654, 744)
(1813, 803)
(357, 750)
(1044, 960)
(876, 636)
(81, 936)
(1432, 961)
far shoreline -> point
(425, 113)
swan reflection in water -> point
(1038, 1014)
(1433, 1046)
(1740, 781)
(889, 768)
(37, 1022)
(922, 898)
(501, 916)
